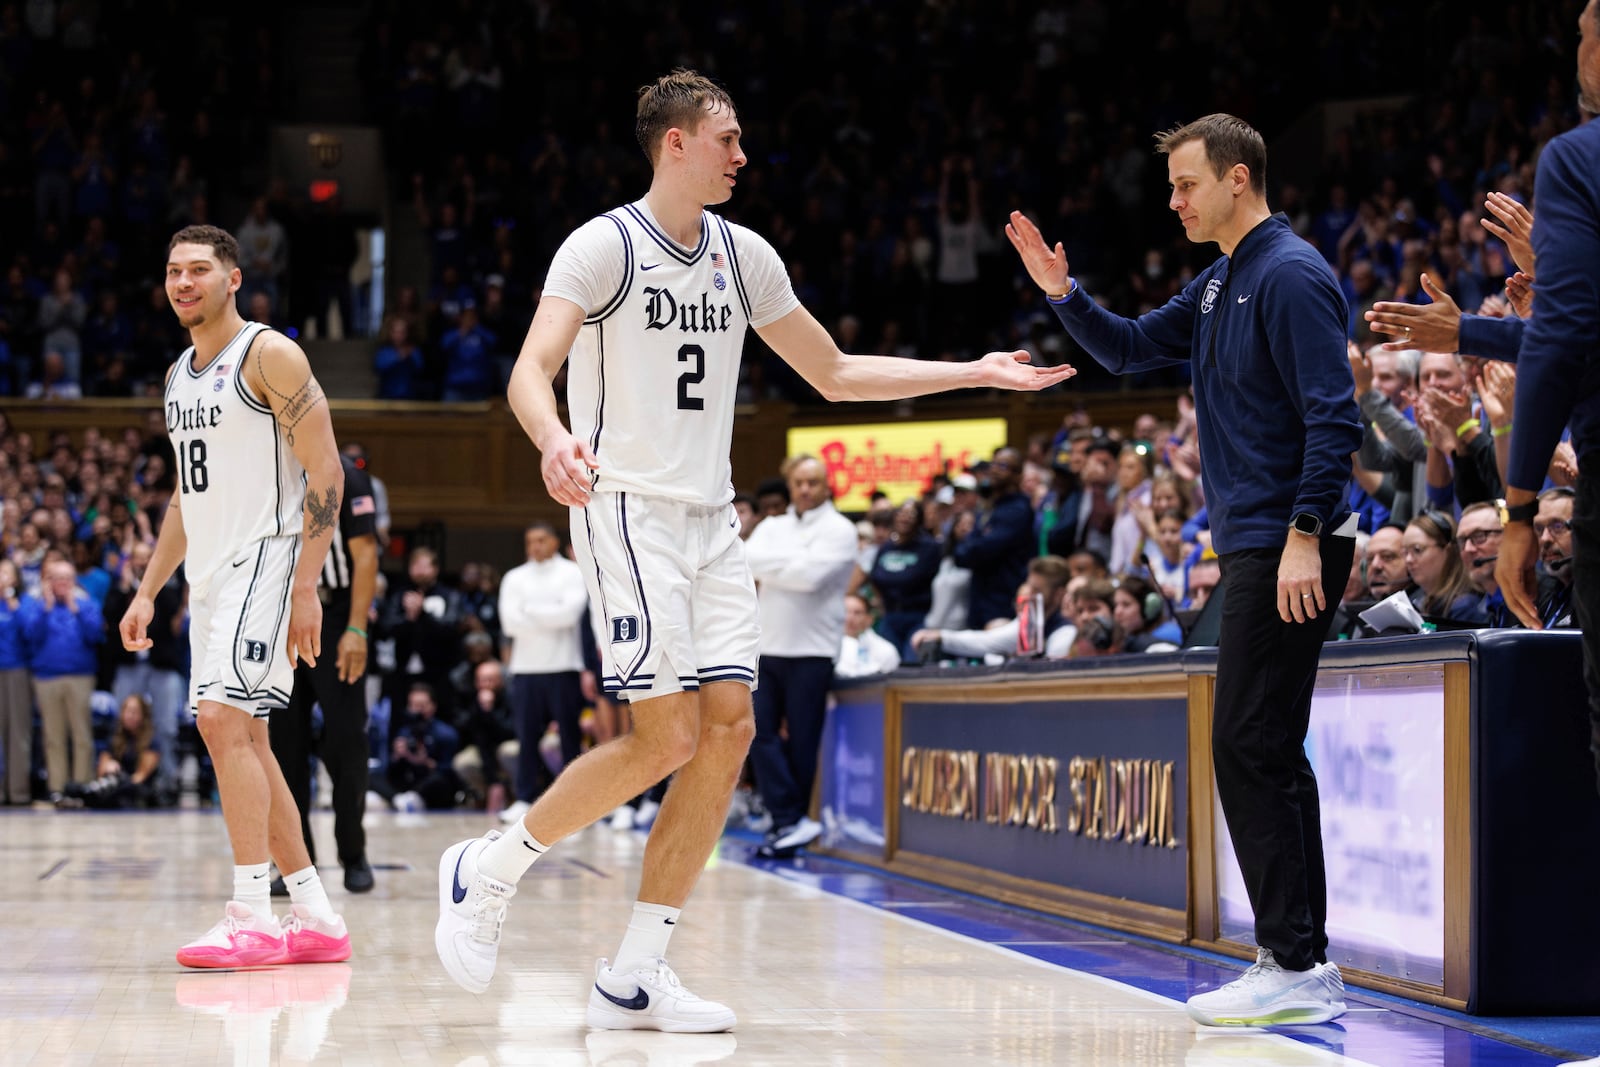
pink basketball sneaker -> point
(313, 940)
(241, 939)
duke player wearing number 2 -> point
(259, 484)
(652, 301)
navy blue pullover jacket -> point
(1491, 338)
(1264, 333)
(1558, 367)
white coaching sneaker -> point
(472, 907)
(650, 997)
(1268, 995)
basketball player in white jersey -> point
(652, 302)
(259, 483)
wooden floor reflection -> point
(95, 906)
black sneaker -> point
(358, 877)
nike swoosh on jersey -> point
(647, 266)
(638, 1002)
(1245, 297)
(240, 563)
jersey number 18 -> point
(192, 466)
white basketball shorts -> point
(239, 630)
(670, 594)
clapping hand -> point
(1434, 327)
(1515, 228)
(1519, 293)
(1497, 386)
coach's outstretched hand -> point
(1045, 265)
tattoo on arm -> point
(297, 405)
(324, 512)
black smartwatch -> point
(1306, 523)
(1523, 513)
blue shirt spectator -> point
(62, 632)
(471, 371)
(13, 647)
(399, 364)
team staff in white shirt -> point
(801, 561)
(652, 302)
(541, 608)
(862, 650)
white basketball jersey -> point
(655, 369)
(238, 480)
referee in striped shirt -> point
(349, 580)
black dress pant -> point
(536, 699)
(342, 747)
(1586, 587)
(1266, 669)
(793, 690)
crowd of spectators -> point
(105, 153)
(502, 134)
(885, 202)
(1090, 541)
(886, 198)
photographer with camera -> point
(125, 775)
(419, 765)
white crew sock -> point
(252, 886)
(305, 888)
(508, 857)
(648, 933)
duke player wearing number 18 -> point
(652, 300)
(259, 483)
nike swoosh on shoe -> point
(638, 1002)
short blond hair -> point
(680, 100)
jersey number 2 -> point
(192, 466)
(691, 377)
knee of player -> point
(676, 745)
(733, 737)
(220, 725)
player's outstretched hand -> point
(1045, 265)
(568, 467)
(1013, 370)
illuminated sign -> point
(901, 458)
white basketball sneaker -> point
(1268, 995)
(650, 997)
(472, 906)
